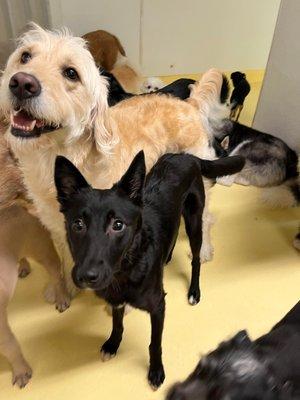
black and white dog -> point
(270, 163)
(116, 93)
(241, 369)
(121, 238)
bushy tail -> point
(208, 96)
(222, 167)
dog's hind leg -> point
(9, 345)
(192, 213)
(156, 374)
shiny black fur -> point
(126, 265)
(241, 89)
(241, 369)
(116, 93)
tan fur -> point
(100, 141)
(21, 235)
(109, 53)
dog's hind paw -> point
(156, 377)
(22, 377)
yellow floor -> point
(252, 281)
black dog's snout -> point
(91, 276)
(24, 86)
(84, 278)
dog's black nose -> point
(91, 276)
(24, 86)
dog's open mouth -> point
(26, 125)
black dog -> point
(239, 93)
(240, 369)
(116, 93)
(120, 238)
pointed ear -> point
(242, 339)
(132, 182)
(68, 180)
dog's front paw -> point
(108, 350)
(194, 296)
(156, 377)
(62, 303)
(22, 376)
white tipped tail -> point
(206, 97)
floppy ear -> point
(104, 136)
(242, 339)
(133, 180)
(68, 180)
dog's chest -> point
(142, 296)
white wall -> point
(278, 107)
(176, 36)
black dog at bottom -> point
(121, 238)
(241, 369)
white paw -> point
(106, 356)
(227, 180)
(193, 301)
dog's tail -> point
(222, 167)
(209, 96)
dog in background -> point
(151, 85)
(179, 88)
(270, 164)
(267, 368)
(120, 238)
(21, 236)
(239, 93)
(65, 111)
(109, 54)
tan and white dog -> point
(57, 103)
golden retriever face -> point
(51, 82)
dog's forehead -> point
(101, 202)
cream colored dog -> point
(57, 102)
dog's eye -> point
(118, 225)
(148, 87)
(78, 225)
(25, 57)
(71, 74)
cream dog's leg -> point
(9, 345)
(41, 248)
